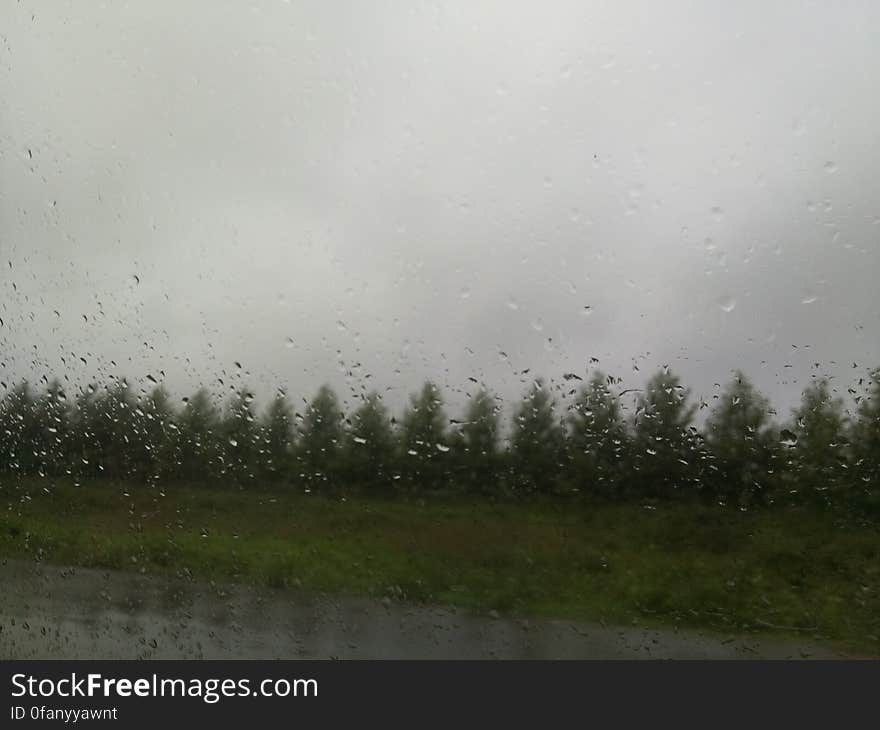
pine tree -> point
(240, 437)
(865, 439)
(537, 441)
(741, 440)
(200, 449)
(370, 444)
(19, 430)
(666, 452)
(477, 451)
(159, 435)
(598, 438)
(819, 454)
(277, 429)
(320, 439)
(424, 441)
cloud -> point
(376, 197)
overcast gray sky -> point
(370, 194)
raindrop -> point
(727, 303)
(830, 167)
(788, 438)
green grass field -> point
(788, 571)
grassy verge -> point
(793, 572)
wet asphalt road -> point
(75, 613)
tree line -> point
(740, 456)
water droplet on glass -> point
(727, 303)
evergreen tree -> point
(370, 444)
(819, 453)
(666, 454)
(53, 417)
(277, 432)
(537, 440)
(598, 437)
(865, 439)
(119, 430)
(478, 447)
(19, 430)
(320, 439)
(240, 436)
(105, 426)
(424, 439)
(200, 450)
(742, 442)
(159, 434)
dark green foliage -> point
(105, 434)
(20, 430)
(742, 443)
(424, 442)
(240, 437)
(740, 457)
(277, 434)
(51, 430)
(667, 453)
(819, 455)
(598, 439)
(200, 451)
(159, 435)
(476, 443)
(865, 442)
(320, 438)
(537, 441)
(370, 444)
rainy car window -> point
(512, 330)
